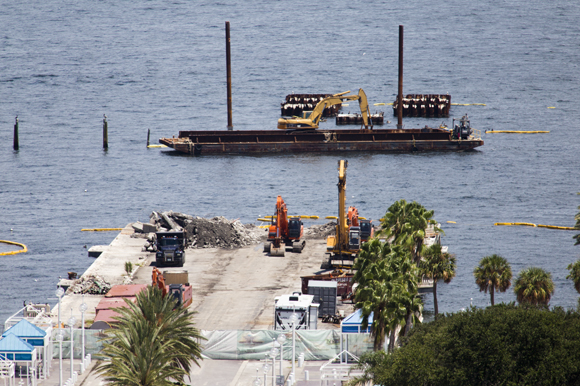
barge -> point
(200, 142)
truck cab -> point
(170, 248)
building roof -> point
(12, 343)
(352, 323)
(25, 329)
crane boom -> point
(312, 121)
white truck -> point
(302, 305)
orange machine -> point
(284, 232)
(367, 230)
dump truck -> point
(170, 248)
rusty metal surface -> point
(277, 141)
(356, 119)
(125, 290)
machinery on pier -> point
(345, 245)
(311, 123)
(284, 231)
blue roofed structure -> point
(352, 323)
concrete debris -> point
(320, 231)
(222, 233)
(92, 284)
(217, 232)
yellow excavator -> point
(347, 241)
(311, 123)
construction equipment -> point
(367, 230)
(347, 241)
(182, 292)
(311, 122)
(170, 248)
(284, 231)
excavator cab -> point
(354, 238)
(295, 228)
(176, 291)
(366, 230)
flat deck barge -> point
(201, 142)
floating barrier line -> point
(468, 104)
(152, 146)
(536, 225)
(101, 229)
(516, 131)
(24, 248)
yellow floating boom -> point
(100, 229)
(468, 104)
(536, 225)
(516, 131)
(24, 249)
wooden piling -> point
(16, 145)
(148, 134)
(105, 133)
(229, 76)
(400, 94)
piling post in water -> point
(229, 76)
(16, 146)
(400, 94)
(105, 133)
(148, 134)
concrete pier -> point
(232, 289)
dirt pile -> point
(320, 231)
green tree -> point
(437, 265)
(574, 275)
(494, 273)
(577, 218)
(387, 282)
(405, 224)
(534, 286)
(501, 345)
(154, 343)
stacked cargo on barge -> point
(201, 142)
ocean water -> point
(161, 66)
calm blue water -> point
(161, 65)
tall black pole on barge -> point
(400, 95)
(229, 72)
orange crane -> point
(284, 232)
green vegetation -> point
(501, 345)
(405, 224)
(577, 218)
(534, 286)
(494, 273)
(128, 268)
(387, 287)
(437, 265)
(154, 344)
(574, 275)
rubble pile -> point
(320, 231)
(92, 284)
(217, 232)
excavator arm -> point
(312, 121)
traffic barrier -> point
(24, 248)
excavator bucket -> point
(277, 251)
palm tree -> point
(437, 265)
(577, 218)
(405, 223)
(494, 273)
(574, 275)
(154, 343)
(534, 286)
(387, 287)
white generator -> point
(302, 305)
